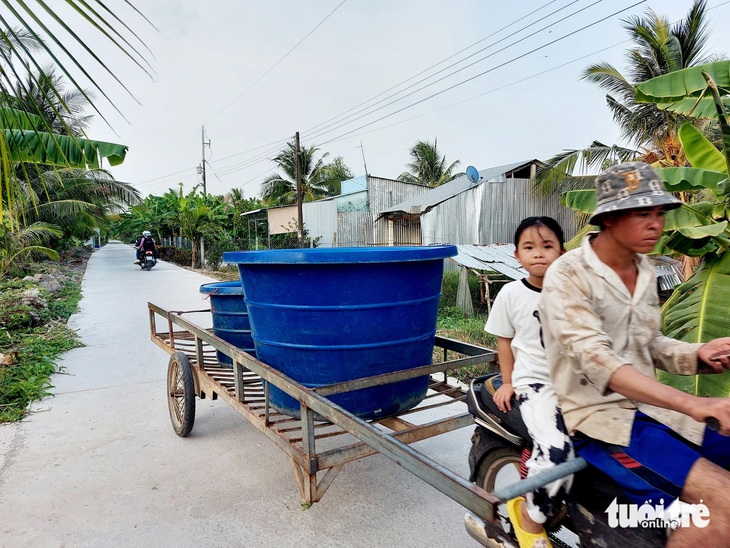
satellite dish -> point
(472, 174)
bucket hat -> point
(630, 185)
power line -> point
(485, 72)
(275, 146)
(256, 160)
(322, 132)
(443, 61)
(277, 63)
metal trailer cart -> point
(313, 442)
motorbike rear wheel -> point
(501, 465)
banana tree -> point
(699, 308)
(24, 139)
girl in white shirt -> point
(514, 319)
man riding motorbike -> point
(143, 244)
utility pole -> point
(202, 162)
(205, 191)
(362, 149)
(300, 217)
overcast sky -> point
(255, 72)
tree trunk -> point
(194, 253)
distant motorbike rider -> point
(144, 244)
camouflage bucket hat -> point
(631, 185)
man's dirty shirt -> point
(592, 326)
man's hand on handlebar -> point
(715, 354)
(715, 412)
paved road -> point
(99, 464)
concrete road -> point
(98, 464)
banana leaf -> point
(686, 91)
(699, 232)
(692, 247)
(722, 112)
(698, 311)
(689, 215)
(60, 150)
(696, 108)
(686, 179)
(20, 119)
(583, 201)
(700, 152)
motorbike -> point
(148, 260)
(500, 448)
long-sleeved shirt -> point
(592, 326)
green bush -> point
(183, 257)
(31, 348)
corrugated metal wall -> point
(385, 193)
(354, 228)
(489, 214)
(348, 220)
(320, 221)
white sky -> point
(211, 61)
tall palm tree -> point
(319, 179)
(428, 166)
(45, 93)
(659, 48)
(78, 201)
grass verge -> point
(33, 333)
(453, 324)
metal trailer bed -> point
(194, 370)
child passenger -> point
(515, 321)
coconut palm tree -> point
(45, 93)
(319, 179)
(78, 201)
(429, 166)
(659, 48)
(17, 245)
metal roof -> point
(423, 202)
(495, 257)
(501, 258)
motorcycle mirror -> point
(472, 174)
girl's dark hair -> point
(547, 222)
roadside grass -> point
(453, 324)
(32, 336)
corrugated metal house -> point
(460, 212)
(347, 220)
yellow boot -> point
(526, 540)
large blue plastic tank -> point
(329, 315)
(230, 317)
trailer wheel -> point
(181, 394)
(501, 466)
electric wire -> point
(342, 122)
(265, 156)
(485, 72)
(439, 63)
(275, 146)
(256, 160)
(276, 64)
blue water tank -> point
(329, 315)
(230, 317)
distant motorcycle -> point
(148, 260)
